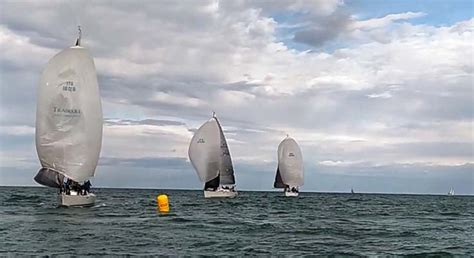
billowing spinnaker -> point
(204, 151)
(225, 167)
(290, 162)
(69, 115)
(48, 177)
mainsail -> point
(278, 181)
(290, 164)
(68, 118)
(225, 167)
(210, 156)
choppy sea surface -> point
(126, 222)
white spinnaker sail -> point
(290, 162)
(204, 150)
(69, 115)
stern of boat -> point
(220, 194)
(73, 199)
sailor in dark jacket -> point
(87, 187)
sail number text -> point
(68, 86)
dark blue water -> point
(125, 222)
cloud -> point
(384, 95)
(384, 21)
(163, 163)
(323, 29)
(320, 31)
(17, 130)
(317, 7)
(142, 122)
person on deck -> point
(67, 186)
(87, 187)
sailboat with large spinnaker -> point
(210, 157)
(69, 125)
(289, 175)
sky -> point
(378, 94)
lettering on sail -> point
(67, 111)
(68, 86)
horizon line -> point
(252, 190)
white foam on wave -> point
(99, 205)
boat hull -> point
(291, 194)
(66, 200)
(220, 194)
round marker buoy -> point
(163, 204)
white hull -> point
(291, 194)
(76, 200)
(220, 194)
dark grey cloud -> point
(18, 97)
(323, 29)
(268, 7)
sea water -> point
(126, 222)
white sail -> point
(290, 162)
(69, 115)
(451, 191)
(204, 150)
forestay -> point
(204, 151)
(69, 115)
(290, 162)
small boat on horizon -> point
(451, 192)
(210, 157)
(69, 125)
(352, 191)
(289, 174)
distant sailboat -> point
(289, 175)
(69, 125)
(210, 157)
(352, 191)
(451, 192)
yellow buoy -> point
(162, 201)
